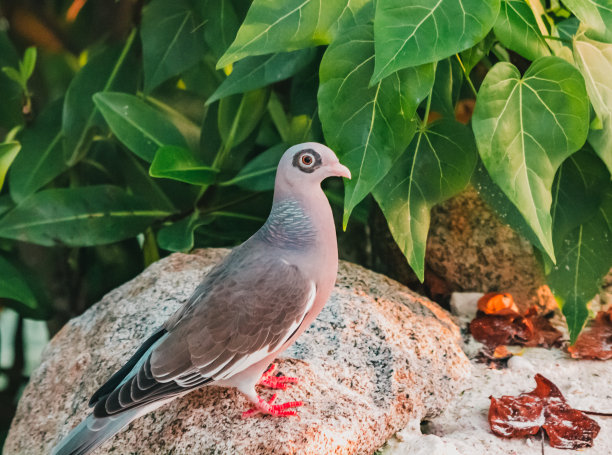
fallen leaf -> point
(596, 341)
(545, 407)
(496, 330)
(497, 303)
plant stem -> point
(467, 76)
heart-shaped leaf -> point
(172, 40)
(368, 127)
(414, 32)
(86, 216)
(8, 152)
(289, 25)
(137, 125)
(525, 127)
(178, 163)
(256, 72)
(596, 14)
(437, 165)
(594, 59)
(518, 30)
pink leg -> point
(277, 410)
(276, 382)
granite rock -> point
(473, 251)
(377, 357)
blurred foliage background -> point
(133, 129)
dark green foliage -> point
(170, 128)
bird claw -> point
(276, 382)
(276, 410)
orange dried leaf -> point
(544, 407)
(496, 330)
(596, 342)
(497, 303)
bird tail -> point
(92, 432)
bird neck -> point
(288, 226)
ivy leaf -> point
(259, 173)
(517, 29)
(86, 216)
(42, 155)
(594, 60)
(13, 286)
(290, 25)
(437, 165)
(106, 70)
(413, 32)
(171, 40)
(596, 14)
(525, 128)
(368, 127)
(8, 152)
(137, 125)
(178, 163)
(179, 235)
(256, 72)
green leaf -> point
(239, 115)
(13, 286)
(525, 128)
(577, 192)
(29, 62)
(596, 14)
(10, 91)
(256, 72)
(476, 53)
(178, 163)
(106, 70)
(221, 25)
(271, 26)
(414, 32)
(368, 127)
(85, 216)
(42, 156)
(583, 239)
(137, 125)
(179, 235)
(8, 152)
(594, 60)
(13, 74)
(437, 165)
(447, 87)
(517, 29)
(171, 40)
(260, 172)
(150, 252)
(6, 203)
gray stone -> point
(377, 357)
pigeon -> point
(246, 311)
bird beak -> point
(338, 170)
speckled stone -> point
(473, 251)
(377, 357)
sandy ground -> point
(464, 430)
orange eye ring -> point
(307, 159)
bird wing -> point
(245, 309)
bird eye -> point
(307, 159)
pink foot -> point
(276, 410)
(276, 382)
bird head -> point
(308, 164)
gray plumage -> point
(246, 311)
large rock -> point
(473, 251)
(377, 358)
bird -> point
(247, 309)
